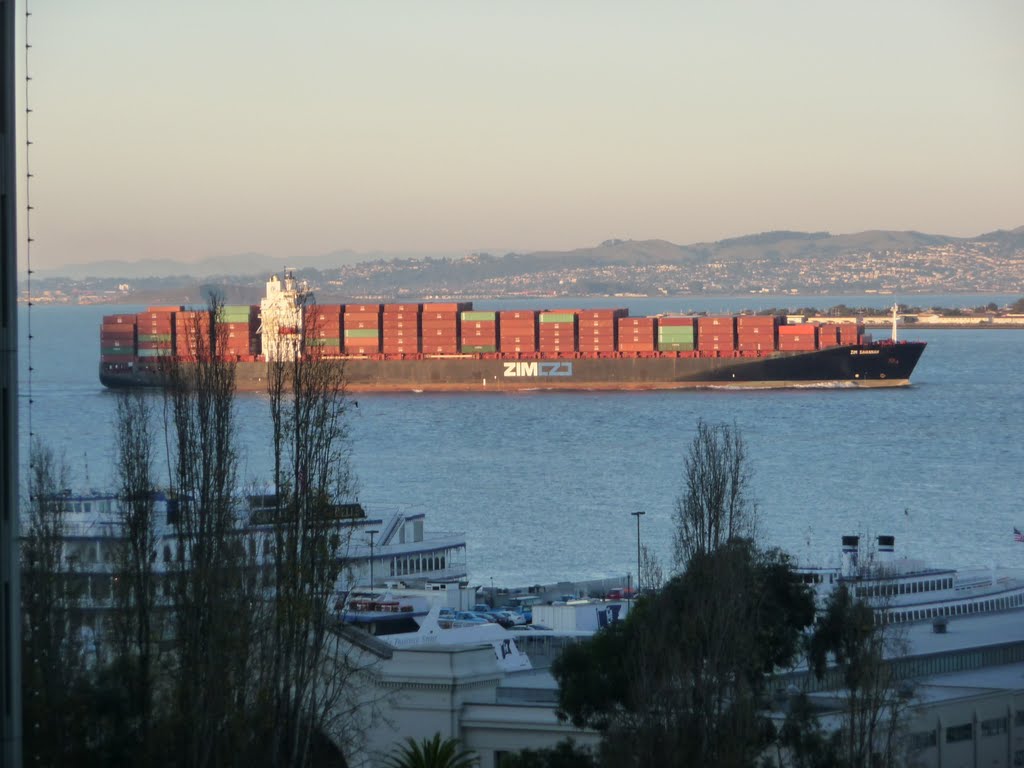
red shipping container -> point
(602, 314)
(518, 348)
(677, 322)
(525, 330)
(440, 317)
(117, 330)
(449, 308)
(164, 310)
(728, 322)
(401, 325)
(755, 346)
(407, 317)
(118, 319)
(402, 308)
(512, 315)
(351, 325)
(322, 311)
(636, 322)
(372, 309)
(751, 321)
(636, 346)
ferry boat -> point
(908, 590)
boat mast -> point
(895, 309)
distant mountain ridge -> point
(776, 244)
(780, 262)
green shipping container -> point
(128, 351)
(557, 317)
(361, 333)
(155, 352)
(323, 342)
(675, 347)
(155, 337)
(479, 348)
(477, 317)
(675, 336)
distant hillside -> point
(768, 262)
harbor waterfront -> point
(543, 484)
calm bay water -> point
(542, 484)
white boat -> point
(908, 590)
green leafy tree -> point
(565, 754)
(431, 753)
(679, 682)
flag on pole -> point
(1017, 535)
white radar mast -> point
(895, 316)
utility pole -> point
(637, 515)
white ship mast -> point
(895, 310)
(281, 318)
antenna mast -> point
(895, 310)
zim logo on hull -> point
(524, 369)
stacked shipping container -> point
(598, 331)
(156, 331)
(636, 334)
(716, 334)
(440, 326)
(455, 328)
(757, 333)
(321, 325)
(479, 332)
(236, 331)
(117, 339)
(800, 337)
(517, 331)
(400, 329)
(361, 326)
(557, 332)
(676, 334)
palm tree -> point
(431, 753)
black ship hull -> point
(882, 364)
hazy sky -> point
(194, 128)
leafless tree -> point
(652, 575)
(852, 637)
(52, 595)
(210, 612)
(714, 506)
(135, 585)
(307, 670)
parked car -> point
(621, 593)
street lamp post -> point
(492, 593)
(372, 534)
(637, 515)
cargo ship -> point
(452, 347)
